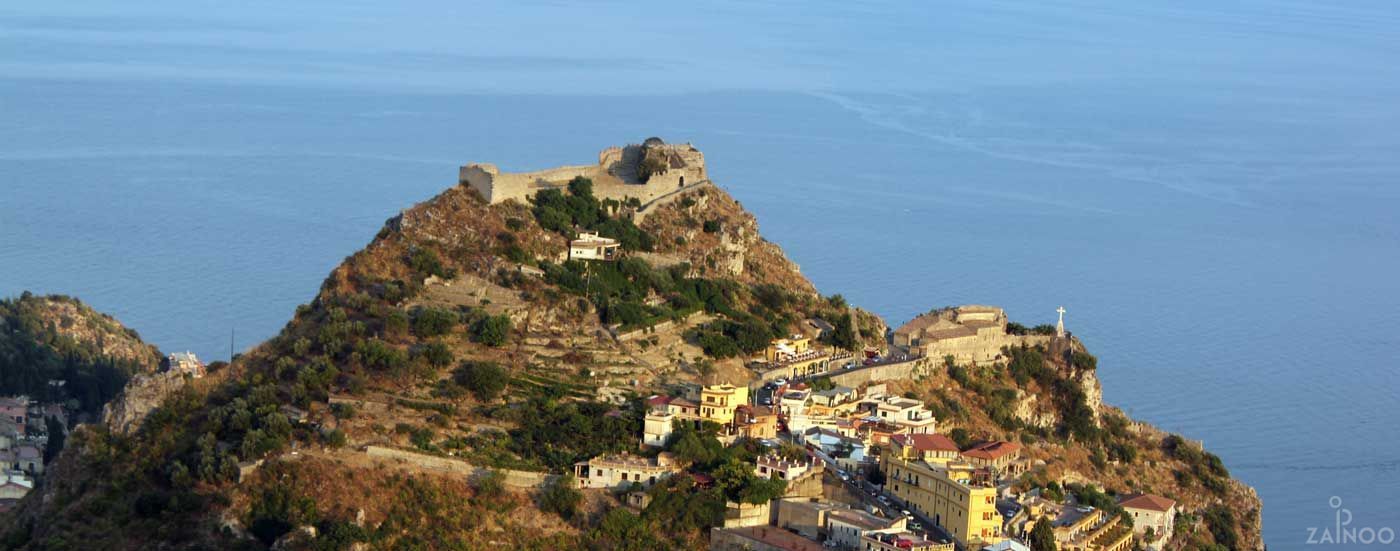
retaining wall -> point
(518, 479)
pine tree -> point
(1042, 536)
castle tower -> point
(1060, 326)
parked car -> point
(907, 514)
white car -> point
(907, 514)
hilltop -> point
(57, 338)
(443, 377)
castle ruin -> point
(647, 172)
(970, 334)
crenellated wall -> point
(613, 177)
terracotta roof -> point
(926, 442)
(1147, 501)
(991, 450)
(658, 400)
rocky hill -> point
(462, 335)
(58, 338)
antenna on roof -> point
(230, 344)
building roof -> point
(662, 461)
(586, 239)
(860, 519)
(1007, 545)
(775, 537)
(661, 400)
(902, 540)
(820, 432)
(781, 464)
(991, 450)
(926, 442)
(1147, 501)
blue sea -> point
(1211, 189)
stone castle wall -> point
(981, 349)
(612, 178)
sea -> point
(1210, 189)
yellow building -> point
(783, 350)
(949, 493)
(718, 402)
(929, 448)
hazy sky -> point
(626, 48)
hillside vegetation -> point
(58, 338)
(437, 338)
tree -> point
(437, 354)
(739, 483)
(561, 497)
(56, 438)
(844, 335)
(581, 187)
(492, 330)
(1042, 536)
(432, 322)
(485, 380)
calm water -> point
(1211, 191)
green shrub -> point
(427, 263)
(561, 497)
(492, 330)
(485, 380)
(334, 438)
(343, 411)
(433, 322)
(277, 510)
(437, 354)
(376, 354)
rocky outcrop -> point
(713, 232)
(124, 413)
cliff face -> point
(142, 394)
(393, 351)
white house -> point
(591, 246)
(1151, 511)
